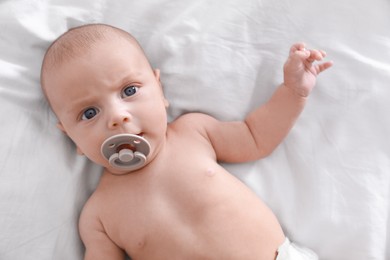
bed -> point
(328, 182)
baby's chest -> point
(179, 210)
(180, 189)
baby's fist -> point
(300, 71)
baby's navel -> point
(210, 172)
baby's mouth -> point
(126, 151)
(130, 146)
(126, 146)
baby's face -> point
(110, 90)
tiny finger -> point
(315, 55)
(323, 66)
(297, 47)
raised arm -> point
(270, 123)
(265, 127)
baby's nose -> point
(118, 118)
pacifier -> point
(126, 151)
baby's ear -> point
(166, 102)
(78, 150)
(61, 127)
(157, 74)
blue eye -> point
(129, 91)
(89, 113)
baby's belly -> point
(211, 215)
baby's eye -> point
(129, 91)
(89, 113)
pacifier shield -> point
(126, 151)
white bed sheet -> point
(329, 181)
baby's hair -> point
(79, 40)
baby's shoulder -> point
(196, 126)
(193, 121)
(89, 217)
(90, 207)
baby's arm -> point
(265, 127)
(97, 244)
(270, 123)
(300, 72)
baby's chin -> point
(115, 171)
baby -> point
(163, 194)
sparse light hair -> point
(77, 41)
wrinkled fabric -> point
(328, 182)
(291, 251)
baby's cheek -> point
(91, 151)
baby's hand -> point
(300, 71)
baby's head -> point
(78, 41)
(99, 83)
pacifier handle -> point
(126, 151)
(118, 162)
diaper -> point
(290, 251)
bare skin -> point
(182, 204)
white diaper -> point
(290, 251)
